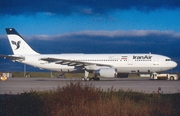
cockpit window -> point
(168, 59)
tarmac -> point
(19, 85)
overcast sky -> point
(92, 26)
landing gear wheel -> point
(95, 79)
(85, 79)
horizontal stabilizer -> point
(12, 57)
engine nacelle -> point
(107, 72)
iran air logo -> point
(17, 44)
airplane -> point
(104, 65)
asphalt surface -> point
(20, 85)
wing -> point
(72, 62)
(15, 58)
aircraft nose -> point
(174, 64)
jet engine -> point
(107, 72)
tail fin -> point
(18, 44)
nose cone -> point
(174, 64)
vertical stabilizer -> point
(18, 44)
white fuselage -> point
(124, 63)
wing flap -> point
(50, 59)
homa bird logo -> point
(17, 44)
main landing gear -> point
(86, 78)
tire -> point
(83, 79)
(88, 79)
(95, 79)
(171, 78)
